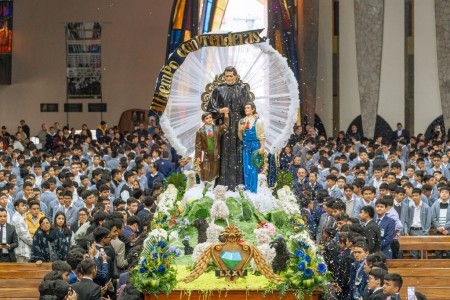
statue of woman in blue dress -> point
(251, 133)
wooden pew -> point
(424, 243)
(430, 277)
(21, 280)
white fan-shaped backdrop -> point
(259, 65)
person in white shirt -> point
(418, 222)
(349, 199)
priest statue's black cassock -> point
(231, 96)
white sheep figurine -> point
(219, 209)
(190, 179)
(212, 236)
(263, 240)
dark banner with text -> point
(164, 81)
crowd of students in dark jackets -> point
(85, 203)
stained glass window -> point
(6, 22)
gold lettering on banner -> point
(238, 39)
(161, 96)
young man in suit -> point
(418, 222)
(387, 227)
(368, 195)
(392, 285)
(371, 229)
(8, 239)
(207, 147)
(333, 190)
(375, 284)
(326, 219)
(307, 207)
(440, 216)
(165, 165)
(358, 278)
(86, 288)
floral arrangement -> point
(160, 221)
(266, 225)
(297, 224)
(168, 200)
(306, 269)
(284, 178)
(287, 201)
(156, 272)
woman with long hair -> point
(85, 129)
(59, 142)
(49, 244)
(60, 223)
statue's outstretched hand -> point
(224, 110)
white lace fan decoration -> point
(259, 65)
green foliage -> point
(279, 218)
(203, 204)
(179, 181)
(284, 178)
(234, 206)
(202, 213)
(247, 211)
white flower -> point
(287, 201)
(173, 235)
(157, 233)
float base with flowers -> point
(272, 254)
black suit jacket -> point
(377, 295)
(405, 134)
(87, 290)
(11, 240)
(373, 236)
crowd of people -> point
(85, 203)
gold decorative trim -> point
(233, 242)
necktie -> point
(247, 126)
(209, 133)
(378, 221)
(1, 234)
(324, 226)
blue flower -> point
(164, 218)
(155, 256)
(164, 256)
(152, 248)
(308, 258)
(308, 273)
(171, 249)
(143, 270)
(301, 266)
(162, 244)
(144, 261)
(178, 252)
(321, 268)
(161, 269)
(306, 246)
(299, 253)
(154, 271)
